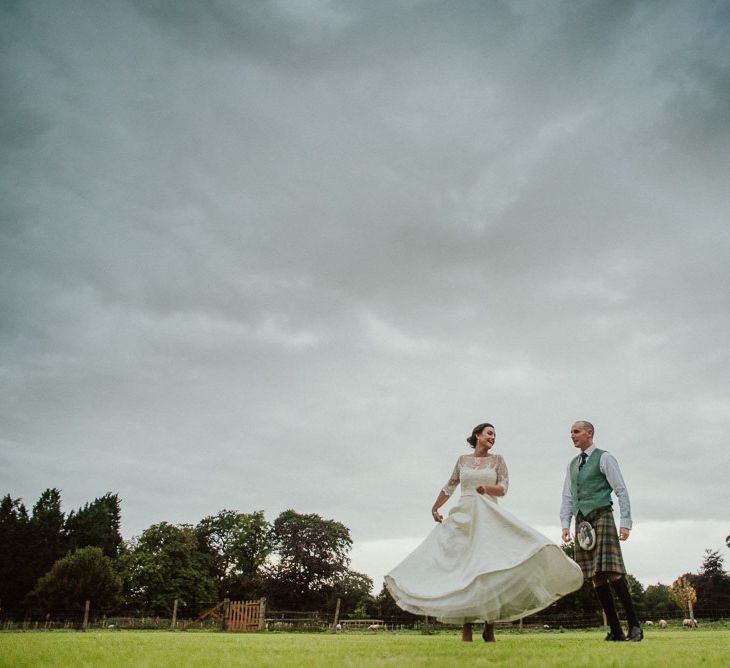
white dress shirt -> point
(610, 468)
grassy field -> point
(159, 648)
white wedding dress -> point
(482, 563)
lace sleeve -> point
(453, 481)
(502, 473)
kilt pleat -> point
(606, 557)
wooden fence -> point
(244, 615)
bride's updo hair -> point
(472, 440)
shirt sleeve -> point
(566, 507)
(610, 468)
(453, 481)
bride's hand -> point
(436, 515)
(481, 489)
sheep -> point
(648, 622)
(546, 626)
(339, 627)
(662, 623)
(690, 623)
(376, 627)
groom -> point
(590, 479)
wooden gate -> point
(244, 615)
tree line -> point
(51, 563)
(707, 592)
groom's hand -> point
(566, 535)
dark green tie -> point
(583, 457)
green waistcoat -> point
(589, 487)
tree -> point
(353, 590)
(17, 575)
(87, 574)
(46, 533)
(239, 545)
(29, 546)
(658, 602)
(712, 565)
(164, 564)
(312, 554)
(712, 585)
(97, 523)
(684, 595)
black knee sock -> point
(606, 598)
(621, 588)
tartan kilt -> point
(606, 556)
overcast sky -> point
(286, 254)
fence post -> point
(173, 624)
(262, 614)
(337, 616)
(85, 624)
(224, 618)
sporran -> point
(586, 536)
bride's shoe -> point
(488, 633)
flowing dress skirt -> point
(482, 564)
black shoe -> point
(616, 636)
(636, 634)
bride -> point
(481, 563)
